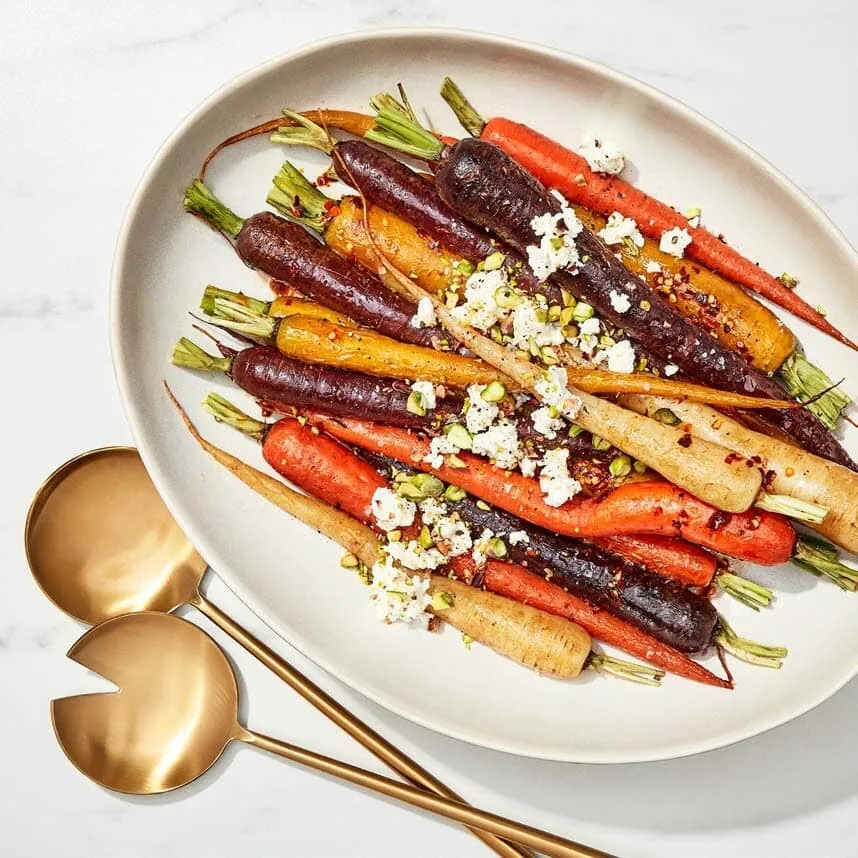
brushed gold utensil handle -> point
(343, 718)
(541, 841)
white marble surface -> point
(90, 89)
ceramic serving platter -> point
(288, 574)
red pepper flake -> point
(685, 440)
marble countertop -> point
(90, 91)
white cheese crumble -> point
(455, 535)
(399, 597)
(440, 446)
(602, 155)
(427, 394)
(528, 467)
(425, 315)
(481, 309)
(674, 241)
(554, 480)
(412, 555)
(432, 510)
(518, 537)
(500, 443)
(481, 547)
(671, 369)
(527, 327)
(390, 510)
(556, 249)
(588, 335)
(619, 302)
(652, 267)
(481, 413)
(619, 228)
(620, 357)
(553, 389)
(545, 423)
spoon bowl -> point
(100, 541)
(174, 713)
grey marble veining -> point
(90, 89)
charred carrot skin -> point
(514, 582)
(653, 508)
(671, 557)
(565, 170)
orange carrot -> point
(517, 583)
(566, 171)
(655, 507)
(665, 555)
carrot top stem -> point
(236, 316)
(199, 200)
(808, 383)
(188, 354)
(396, 129)
(304, 132)
(821, 558)
(631, 670)
(747, 592)
(296, 197)
(225, 412)
(212, 293)
(800, 510)
(747, 650)
(465, 112)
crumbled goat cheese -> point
(554, 480)
(390, 510)
(432, 510)
(545, 423)
(602, 155)
(518, 537)
(480, 309)
(674, 241)
(671, 369)
(619, 302)
(619, 228)
(481, 547)
(399, 597)
(556, 249)
(526, 326)
(553, 389)
(588, 335)
(527, 467)
(481, 413)
(500, 443)
(652, 267)
(427, 393)
(412, 555)
(439, 447)
(425, 315)
(620, 357)
(455, 534)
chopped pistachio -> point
(665, 415)
(788, 280)
(394, 535)
(410, 491)
(582, 312)
(459, 436)
(414, 404)
(567, 299)
(645, 305)
(493, 261)
(481, 504)
(428, 484)
(454, 494)
(450, 299)
(522, 355)
(349, 561)
(467, 640)
(442, 601)
(640, 467)
(549, 356)
(569, 331)
(565, 317)
(575, 430)
(693, 212)
(535, 350)
(463, 267)
(600, 443)
(507, 297)
(554, 312)
(425, 538)
(455, 462)
(497, 548)
(494, 392)
(620, 466)
(496, 334)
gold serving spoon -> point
(100, 543)
(177, 709)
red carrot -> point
(566, 171)
(655, 507)
(517, 583)
(666, 555)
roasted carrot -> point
(654, 508)
(667, 555)
(516, 583)
(568, 172)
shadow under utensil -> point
(792, 770)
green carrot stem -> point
(468, 117)
(207, 304)
(747, 650)
(397, 130)
(805, 381)
(234, 316)
(199, 200)
(296, 197)
(189, 354)
(747, 592)
(630, 670)
(800, 510)
(304, 132)
(821, 558)
(225, 412)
